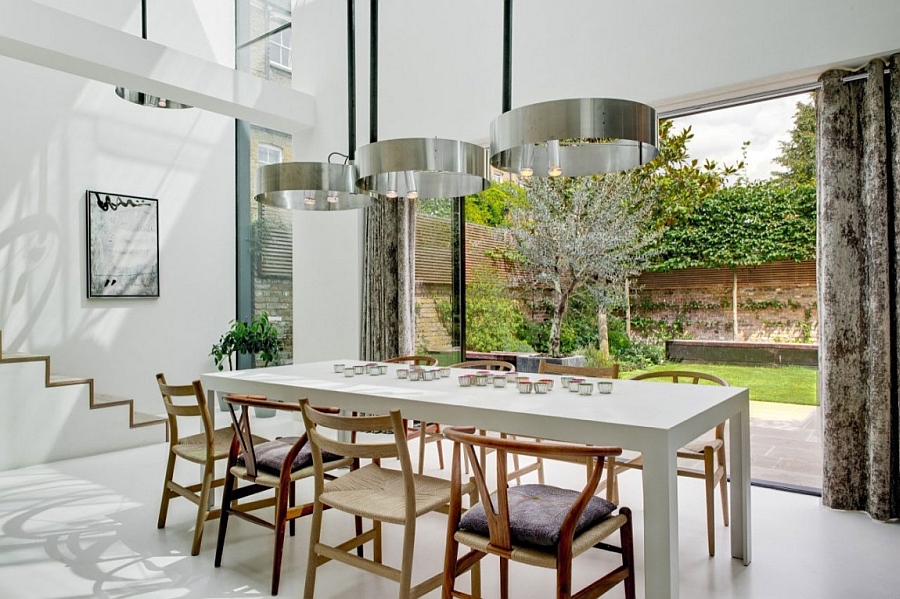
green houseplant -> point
(257, 338)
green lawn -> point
(781, 384)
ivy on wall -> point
(743, 226)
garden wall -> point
(776, 302)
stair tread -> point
(57, 379)
(18, 356)
(141, 418)
(102, 398)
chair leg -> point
(709, 468)
(626, 536)
(439, 443)
(540, 471)
(280, 520)
(223, 516)
(612, 480)
(292, 501)
(357, 525)
(202, 509)
(376, 542)
(315, 534)
(723, 485)
(406, 561)
(423, 426)
(166, 494)
(504, 578)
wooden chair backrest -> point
(676, 376)
(414, 360)
(603, 372)
(193, 409)
(498, 365)
(497, 508)
(244, 436)
(393, 422)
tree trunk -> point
(556, 319)
(734, 308)
(627, 309)
(603, 332)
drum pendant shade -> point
(595, 135)
(429, 167)
(319, 186)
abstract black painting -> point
(122, 245)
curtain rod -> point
(758, 97)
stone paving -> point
(786, 444)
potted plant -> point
(257, 338)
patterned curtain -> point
(388, 302)
(859, 194)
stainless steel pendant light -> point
(574, 137)
(319, 186)
(416, 167)
(136, 97)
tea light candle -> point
(499, 381)
(427, 375)
(402, 373)
(573, 384)
(549, 383)
(565, 381)
(465, 380)
(524, 386)
(382, 369)
(512, 377)
(338, 368)
(361, 369)
(349, 371)
(415, 375)
(445, 372)
(604, 387)
(541, 387)
(585, 388)
(481, 379)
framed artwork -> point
(122, 245)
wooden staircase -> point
(96, 400)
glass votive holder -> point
(541, 387)
(512, 377)
(585, 388)
(349, 371)
(549, 383)
(481, 379)
(604, 387)
(415, 375)
(338, 368)
(382, 369)
(370, 367)
(402, 373)
(427, 375)
(445, 372)
(465, 380)
(499, 382)
(573, 384)
(524, 386)
(565, 380)
(360, 369)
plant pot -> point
(532, 363)
(263, 412)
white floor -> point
(87, 528)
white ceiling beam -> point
(58, 40)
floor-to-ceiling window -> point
(265, 244)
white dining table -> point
(653, 418)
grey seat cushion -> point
(271, 454)
(536, 514)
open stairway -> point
(49, 417)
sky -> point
(719, 134)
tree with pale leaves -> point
(583, 233)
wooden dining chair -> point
(267, 465)
(538, 525)
(426, 432)
(204, 448)
(601, 372)
(711, 452)
(518, 471)
(379, 494)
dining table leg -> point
(739, 432)
(660, 522)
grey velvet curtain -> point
(388, 297)
(858, 176)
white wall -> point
(62, 135)
(440, 69)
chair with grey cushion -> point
(538, 525)
(267, 465)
